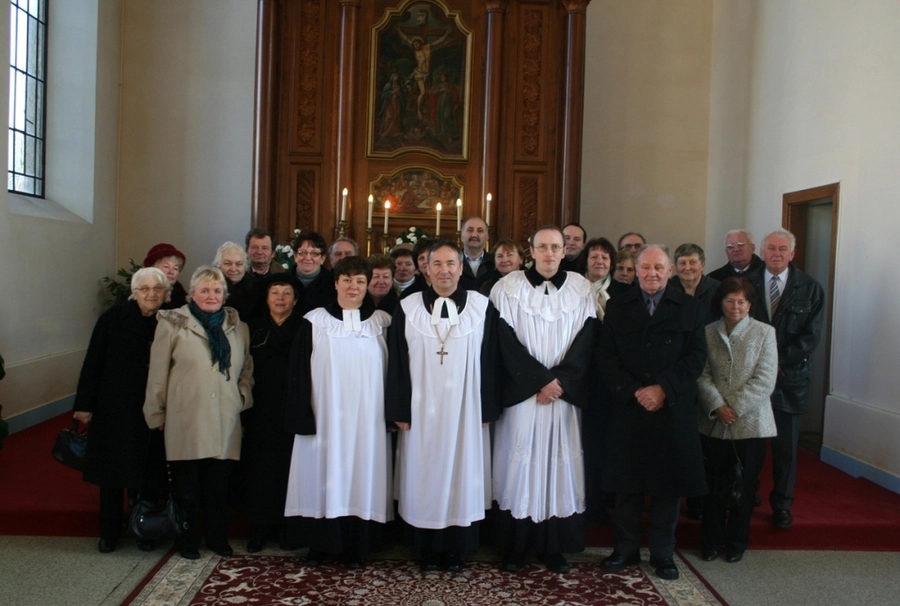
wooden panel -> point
(305, 181)
(306, 19)
(529, 144)
(528, 189)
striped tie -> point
(774, 294)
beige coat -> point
(740, 371)
(186, 392)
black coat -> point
(121, 451)
(318, 293)
(246, 297)
(704, 295)
(267, 445)
(653, 452)
(470, 281)
(798, 325)
(727, 271)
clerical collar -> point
(536, 279)
(458, 297)
(365, 312)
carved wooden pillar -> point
(491, 108)
(573, 111)
(346, 104)
(265, 143)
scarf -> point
(219, 347)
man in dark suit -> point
(477, 264)
(651, 350)
(794, 303)
(576, 238)
(740, 250)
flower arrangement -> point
(411, 236)
(284, 254)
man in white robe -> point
(546, 329)
(440, 394)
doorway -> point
(811, 215)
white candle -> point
(459, 214)
(437, 227)
(371, 204)
(487, 210)
(344, 205)
(387, 208)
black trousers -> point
(661, 535)
(784, 459)
(202, 485)
(723, 526)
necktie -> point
(774, 294)
(651, 306)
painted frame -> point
(414, 191)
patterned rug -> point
(258, 580)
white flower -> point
(413, 239)
(399, 241)
(412, 229)
(284, 265)
(296, 232)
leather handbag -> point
(70, 447)
(151, 521)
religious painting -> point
(414, 193)
(420, 80)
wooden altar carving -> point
(347, 96)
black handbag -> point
(151, 521)
(70, 447)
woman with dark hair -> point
(734, 414)
(200, 379)
(122, 453)
(381, 286)
(596, 264)
(508, 257)
(266, 453)
(338, 489)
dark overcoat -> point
(658, 452)
(113, 379)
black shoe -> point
(255, 545)
(106, 545)
(314, 558)
(513, 562)
(190, 553)
(555, 562)
(451, 562)
(352, 561)
(710, 554)
(619, 561)
(782, 519)
(224, 550)
(756, 500)
(665, 568)
(145, 545)
(732, 557)
(431, 561)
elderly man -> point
(651, 352)
(631, 240)
(794, 303)
(477, 266)
(340, 248)
(261, 251)
(740, 250)
(576, 238)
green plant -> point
(121, 289)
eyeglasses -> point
(635, 247)
(735, 245)
(308, 253)
(548, 247)
(146, 289)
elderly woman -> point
(341, 463)
(170, 261)
(266, 455)
(624, 273)
(201, 375)
(508, 257)
(734, 414)
(243, 292)
(381, 286)
(121, 451)
(596, 262)
(690, 261)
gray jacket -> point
(740, 371)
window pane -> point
(30, 101)
(19, 151)
(32, 46)
(39, 159)
(29, 155)
(19, 122)
(13, 14)
(10, 156)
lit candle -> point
(487, 210)
(387, 208)
(344, 205)
(371, 204)
(437, 227)
(459, 214)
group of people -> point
(447, 386)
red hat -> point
(161, 251)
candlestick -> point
(459, 214)
(487, 210)
(437, 227)
(344, 205)
(387, 208)
(342, 228)
(369, 231)
(371, 204)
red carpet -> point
(832, 510)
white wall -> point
(824, 98)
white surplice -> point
(344, 469)
(538, 460)
(443, 461)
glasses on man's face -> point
(308, 253)
(734, 245)
(145, 290)
(548, 247)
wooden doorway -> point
(812, 216)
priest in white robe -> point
(441, 394)
(546, 329)
(339, 493)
